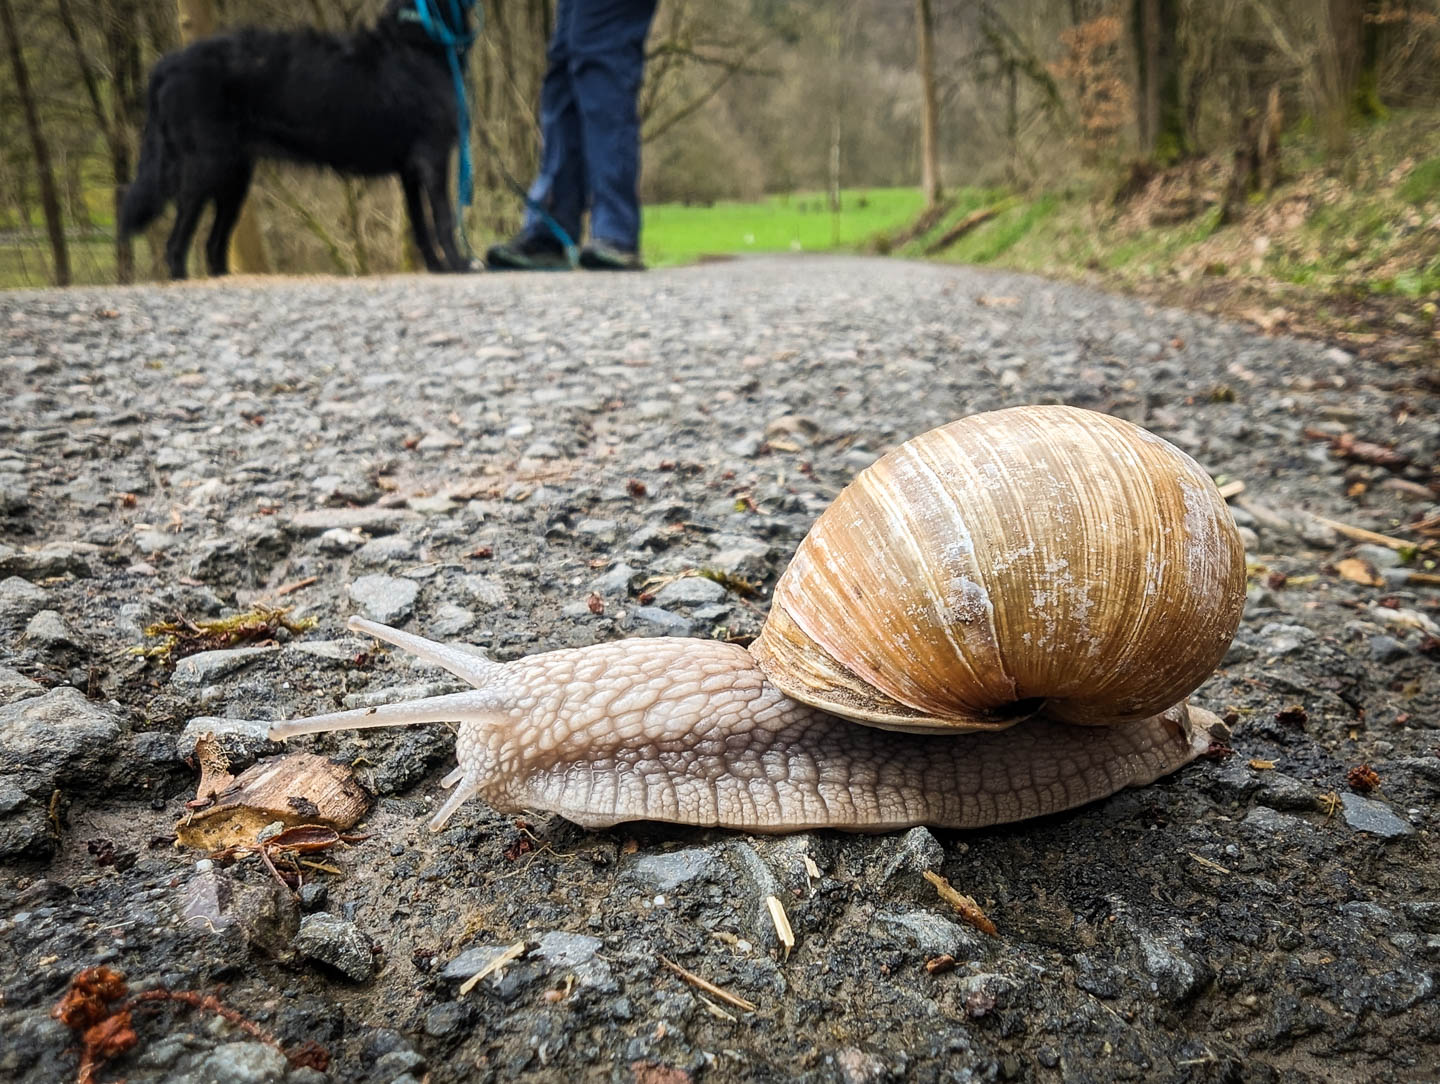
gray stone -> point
(1175, 973)
(1281, 639)
(1376, 818)
(450, 620)
(576, 954)
(1269, 822)
(396, 694)
(911, 855)
(1386, 649)
(669, 871)
(53, 559)
(387, 549)
(48, 629)
(387, 599)
(50, 737)
(336, 489)
(485, 592)
(471, 962)
(250, 736)
(332, 650)
(151, 542)
(340, 540)
(1280, 791)
(742, 557)
(201, 669)
(313, 895)
(338, 944)
(238, 1063)
(1380, 556)
(444, 1019)
(434, 505)
(261, 913)
(370, 520)
(657, 622)
(927, 933)
(615, 582)
(19, 598)
(689, 591)
(1314, 533)
(397, 1062)
(16, 686)
(597, 530)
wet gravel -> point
(532, 463)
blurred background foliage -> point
(901, 121)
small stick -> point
(1232, 488)
(294, 585)
(782, 923)
(709, 987)
(514, 952)
(1360, 534)
(1206, 862)
(967, 907)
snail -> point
(999, 619)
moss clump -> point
(180, 637)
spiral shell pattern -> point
(1041, 557)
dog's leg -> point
(419, 223)
(437, 191)
(229, 198)
(188, 206)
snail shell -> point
(1038, 557)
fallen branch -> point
(965, 225)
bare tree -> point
(44, 169)
(113, 118)
(1164, 135)
(929, 111)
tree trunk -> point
(1160, 108)
(929, 112)
(1355, 37)
(112, 124)
(196, 19)
(49, 194)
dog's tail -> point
(154, 183)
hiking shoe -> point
(526, 252)
(603, 256)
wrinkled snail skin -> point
(1000, 619)
(692, 732)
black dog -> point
(377, 101)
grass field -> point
(677, 234)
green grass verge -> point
(677, 234)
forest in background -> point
(1109, 98)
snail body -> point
(1015, 605)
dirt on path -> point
(533, 463)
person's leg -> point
(559, 187)
(607, 63)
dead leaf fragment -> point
(1357, 571)
(297, 789)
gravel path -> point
(528, 463)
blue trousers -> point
(589, 127)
